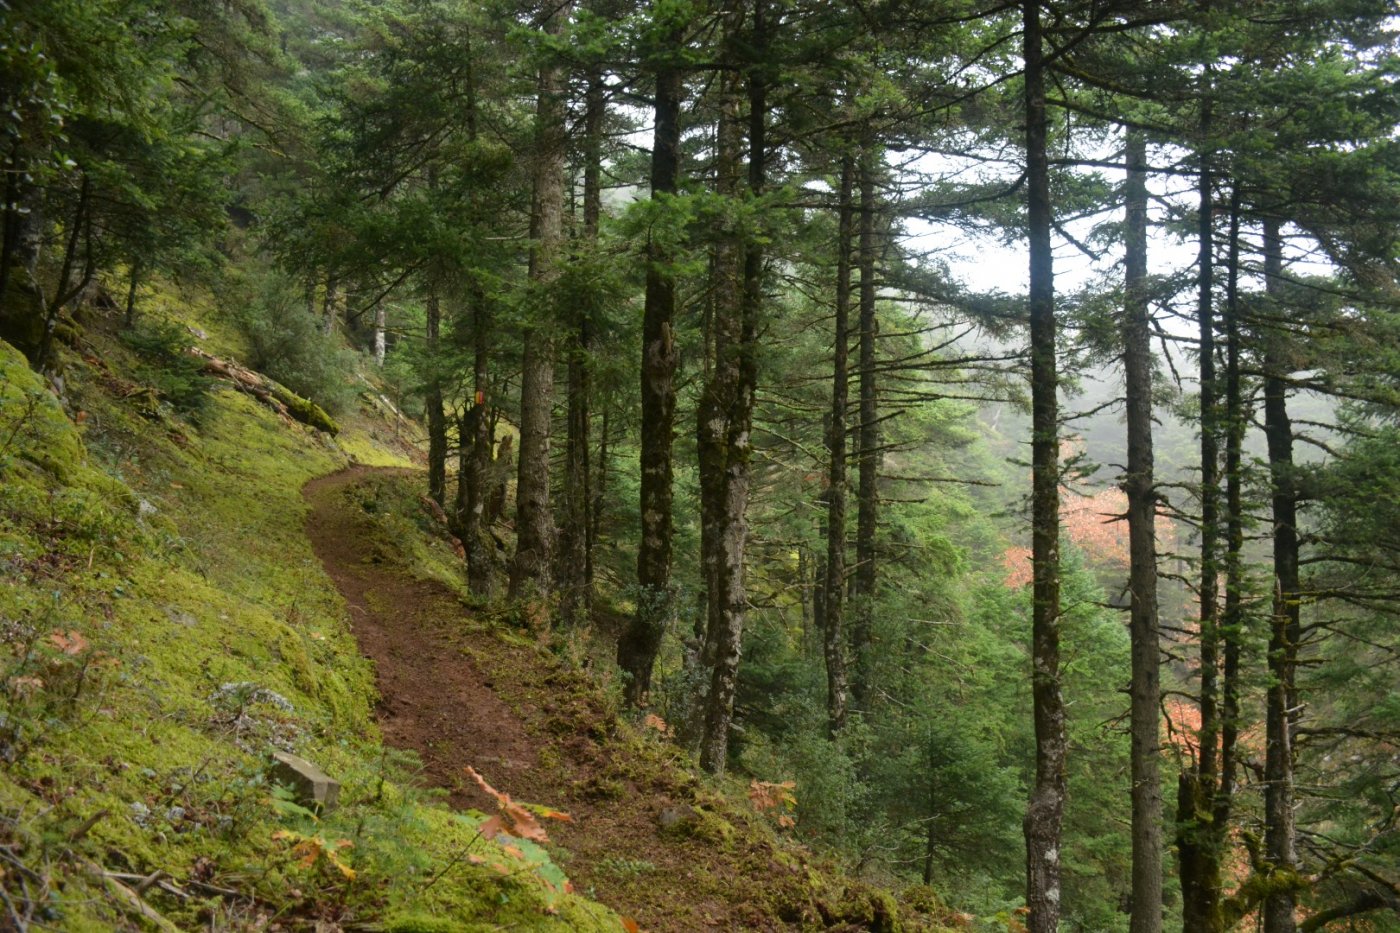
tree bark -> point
(727, 420)
(1198, 855)
(10, 227)
(132, 283)
(437, 419)
(474, 484)
(65, 291)
(868, 508)
(575, 592)
(833, 592)
(534, 523)
(638, 647)
(1045, 812)
(330, 304)
(1231, 634)
(1140, 486)
(381, 336)
(1280, 846)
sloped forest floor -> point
(648, 838)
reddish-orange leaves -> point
(515, 819)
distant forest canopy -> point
(647, 275)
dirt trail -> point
(458, 694)
(433, 700)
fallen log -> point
(271, 393)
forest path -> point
(433, 699)
(459, 694)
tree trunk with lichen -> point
(726, 407)
(530, 573)
(437, 418)
(639, 645)
(868, 441)
(474, 459)
(1045, 811)
(834, 567)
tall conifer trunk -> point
(575, 583)
(637, 649)
(534, 523)
(1280, 845)
(1232, 623)
(1196, 787)
(474, 456)
(1145, 688)
(1045, 812)
(833, 584)
(727, 417)
(868, 508)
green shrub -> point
(167, 367)
(287, 342)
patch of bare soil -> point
(647, 839)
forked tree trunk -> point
(1280, 845)
(1045, 812)
(1140, 485)
(638, 647)
(534, 523)
(67, 290)
(833, 591)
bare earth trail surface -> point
(644, 840)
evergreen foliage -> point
(672, 292)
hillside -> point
(175, 611)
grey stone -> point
(315, 789)
(678, 821)
(180, 617)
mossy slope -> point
(163, 627)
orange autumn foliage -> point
(1096, 524)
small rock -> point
(180, 617)
(144, 509)
(677, 820)
(315, 789)
(140, 813)
(239, 695)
